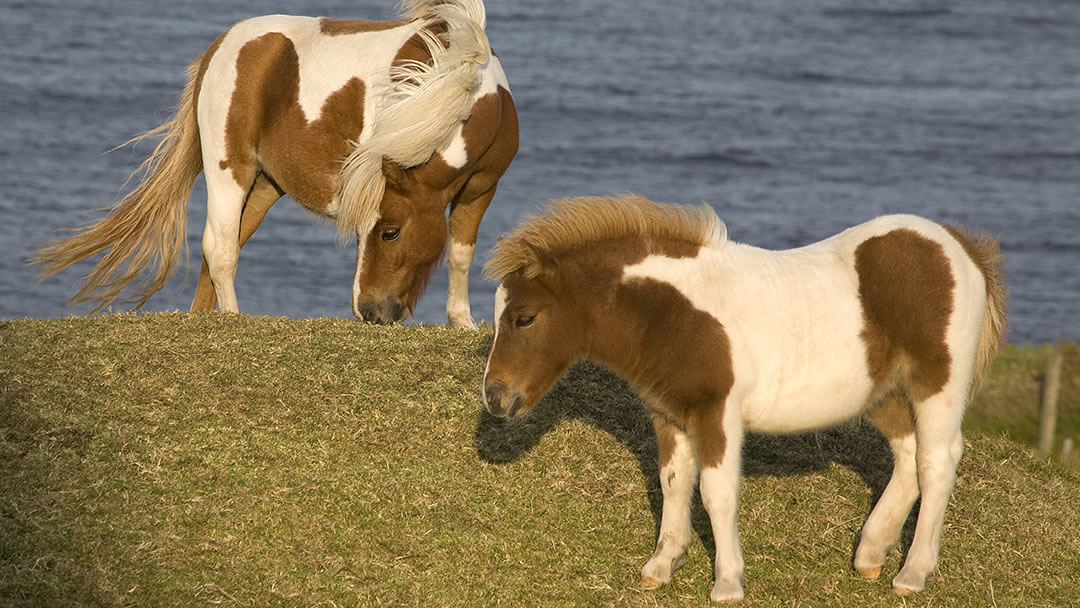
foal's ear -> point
(394, 173)
(536, 263)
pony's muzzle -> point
(501, 402)
(383, 312)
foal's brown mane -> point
(572, 222)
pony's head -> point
(561, 295)
(400, 220)
(539, 332)
(397, 255)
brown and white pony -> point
(897, 318)
(381, 125)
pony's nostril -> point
(396, 311)
(493, 395)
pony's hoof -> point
(649, 583)
(869, 574)
(897, 590)
(726, 591)
(465, 323)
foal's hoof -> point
(904, 590)
(726, 591)
(869, 574)
(649, 583)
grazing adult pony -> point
(381, 125)
(897, 318)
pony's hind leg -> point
(938, 451)
(264, 193)
(892, 416)
(221, 238)
(678, 474)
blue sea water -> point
(793, 118)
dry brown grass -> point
(212, 459)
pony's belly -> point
(807, 408)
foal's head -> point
(395, 259)
(539, 332)
(561, 294)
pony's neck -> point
(624, 320)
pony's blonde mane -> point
(420, 112)
(572, 222)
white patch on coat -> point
(491, 78)
(500, 305)
(794, 320)
(459, 259)
(361, 245)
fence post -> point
(1048, 416)
(1066, 451)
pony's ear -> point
(536, 263)
(395, 175)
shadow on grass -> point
(591, 393)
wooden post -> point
(1066, 451)
(1048, 417)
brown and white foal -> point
(897, 318)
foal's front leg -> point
(678, 474)
(718, 450)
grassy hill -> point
(209, 459)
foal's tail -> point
(146, 232)
(985, 252)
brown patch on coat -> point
(677, 356)
(893, 416)
(666, 438)
(491, 161)
(266, 129)
(345, 27)
(906, 289)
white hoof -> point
(726, 591)
(658, 570)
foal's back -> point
(817, 333)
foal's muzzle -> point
(501, 402)
(383, 312)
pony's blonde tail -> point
(146, 232)
(985, 252)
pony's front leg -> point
(678, 474)
(718, 449)
(464, 220)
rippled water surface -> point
(794, 119)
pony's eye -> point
(524, 321)
(391, 234)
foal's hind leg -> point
(262, 196)
(892, 416)
(940, 445)
(678, 474)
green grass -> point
(212, 459)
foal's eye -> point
(391, 234)
(524, 321)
